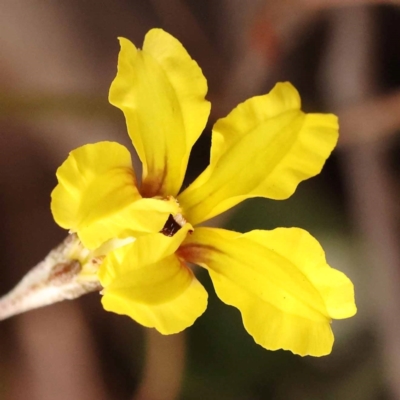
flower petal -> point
(161, 91)
(264, 147)
(97, 196)
(148, 282)
(280, 282)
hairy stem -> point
(58, 277)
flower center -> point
(173, 224)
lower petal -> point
(280, 282)
(169, 317)
(148, 282)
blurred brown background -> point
(57, 62)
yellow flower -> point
(279, 280)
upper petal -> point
(264, 147)
(97, 197)
(148, 282)
(161, 91)
(280, 282)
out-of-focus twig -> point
(349, 75)
(264, 32)
(36, 106)
(341, 3)
(178, 19)
(370, 120)
(165, 363)
(35, 375)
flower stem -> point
(54, 279)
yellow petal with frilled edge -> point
(148, 282)
(264, 147)
(161, 91)
(280, 282)
(97, 196)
